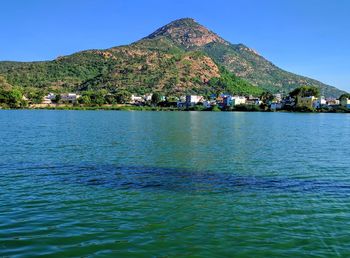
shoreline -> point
(164, 109)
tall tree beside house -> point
(156, 98)
(35, 95)
(123, 96)
(305, 91)
(345, 100)
(345, 96)
(266, 97)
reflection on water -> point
(179, 180)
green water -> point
(174, 184)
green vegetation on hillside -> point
(229, 83)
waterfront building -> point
(277, 97)
(238, 100)
(147, 97)
(253, 101)
(306, 102)
(345, 102)
(48, 98)
(136, 99)
(320, 102)
(192, 100)
(70, 97)
(332, 102)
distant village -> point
(269, 102)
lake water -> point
(174, 184)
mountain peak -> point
(187, 33)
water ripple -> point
(174, 179)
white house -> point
(136, 99)
(48, 98)
(238, 100)
(192, 100)
(333, 102)
(320, 102)
(70, 97)
(253, 101)
(278, 97)
(148, 97)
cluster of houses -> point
(65, 97)
(278, 102)
(141, 100)
(223, 101)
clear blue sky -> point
(308, 37)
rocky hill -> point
(181, 57)
(241, 60)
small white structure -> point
(136, 99)
(278, 97)
(70, 97)
(320, 102)
(332, 102)
(48, 98)
(253, 100)
(192, 100)
(148, 97)
(238, 100)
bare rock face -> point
(187, 33)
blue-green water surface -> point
(174, 184)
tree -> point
(34, 95)
(267, 97)
(123, 97)
(345, 96)
(57, 98)
(95, 98)
(12, 98)
(111, 99)
(98, 98)
(156, 98)
(305, 91)
(85, 99)
(4, 85)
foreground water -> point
(182, 184)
